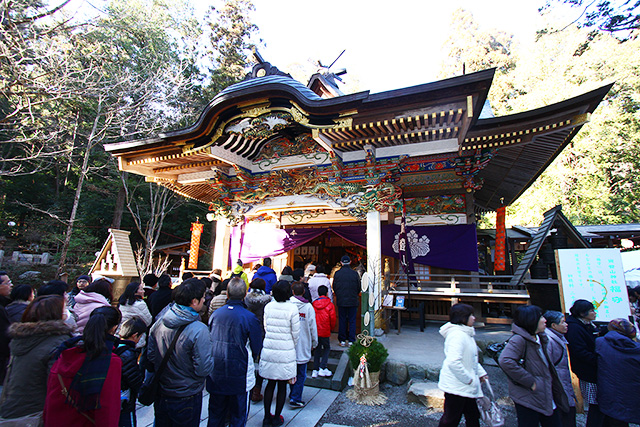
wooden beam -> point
(322, 140)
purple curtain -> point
(452, 246)
(444, 246)
(356, 234)
(262, 240)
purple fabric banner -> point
(453, 246)
(444, 246)
(262, 240)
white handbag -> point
(489, 411)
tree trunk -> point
(76, 199)
(119, 209)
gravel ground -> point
(397, 412)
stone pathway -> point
(318, 401)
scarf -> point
(86, 386)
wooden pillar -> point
(374, 267)
(469, 204)
(221, 249)
(475, 282)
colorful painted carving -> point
(263, 126)
(408, 165)
(282, 146)
(434, 205)
(378, 197)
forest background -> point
(72, 82)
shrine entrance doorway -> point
(327, 249)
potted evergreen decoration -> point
(366, 356)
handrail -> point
(453, 283)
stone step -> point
(332, 363)
(338, 381)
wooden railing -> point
(450, 284)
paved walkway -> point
(318, 401)
(425, 349)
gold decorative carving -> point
(343, 121)
(256, 111)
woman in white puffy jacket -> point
(461, 373)
(132, 305)
(278, 358)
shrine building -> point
(307, 174)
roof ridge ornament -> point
(263, 68)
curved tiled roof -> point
(262, 81)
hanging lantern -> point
(501, 235)
(194, 249)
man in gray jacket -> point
(183, 378)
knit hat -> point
(84, 277)
(622, 326)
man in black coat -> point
(162, 297)
(346, 288)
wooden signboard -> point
(595, 275)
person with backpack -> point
(530, 372)
(557, 351)
(131, 332)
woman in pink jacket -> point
(97, 294)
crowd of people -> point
(538, 361)
(79, 357)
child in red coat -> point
(326, 321)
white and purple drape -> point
(444, 246)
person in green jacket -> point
(238, 271)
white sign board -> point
(597, 276)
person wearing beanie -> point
(81, 282)
(618, 374)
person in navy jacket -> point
(236, 336)
(267, 274)
(619, 374)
